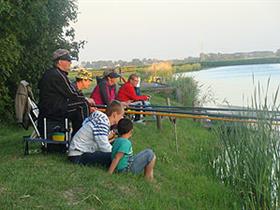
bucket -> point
(58, 136)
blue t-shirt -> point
(122, 145)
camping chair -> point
(27, 113)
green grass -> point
(183, 180)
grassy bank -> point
(183, 179)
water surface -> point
(234, 84)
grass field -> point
(182, 180)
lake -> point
(235, 85)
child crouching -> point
(123, 159)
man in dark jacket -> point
(58, 99)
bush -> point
(187, 67)
(29, 32)
(186, 90)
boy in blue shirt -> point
(123, 159)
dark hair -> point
(133, 76)
(124, 126)
(115, 106)
(79, 79)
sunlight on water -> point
(234, 84)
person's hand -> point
(92, 109)
(90, 101)
(112, 136)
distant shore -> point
(210, 64)
(203, 65)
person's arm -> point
(131, 93)
(63, 87)
(103, 92)
(115, 162)
(90, 101)
(101, 132)
(103, 143)
(111, 136)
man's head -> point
(83, 79)
(125, 126)
(115, 112)
(111, 76)
(133, 79)
(62, 59)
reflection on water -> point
(234, 84)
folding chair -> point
(27, 113)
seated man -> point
(58, 99)
(83, 81)
(105, 90)
(128, 94)
(90, 145)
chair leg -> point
(26, 149)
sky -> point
(170, 29)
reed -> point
(247, 156)
(186, 90)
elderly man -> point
(58, 99)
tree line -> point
(203, 59)
(29, 33)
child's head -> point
(124, 126)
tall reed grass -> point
(186, 90)
(247, 156)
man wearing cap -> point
(105, 91)
(83, 81)
(58, 99)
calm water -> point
(234, 84)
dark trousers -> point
(76, 113)
(94, 159)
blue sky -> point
(165, 29)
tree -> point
(29, 32)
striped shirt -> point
(92, 136)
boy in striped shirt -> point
(90, 145)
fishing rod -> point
(190, 114)
(206, 108)
(196, 108)
(198, 113)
